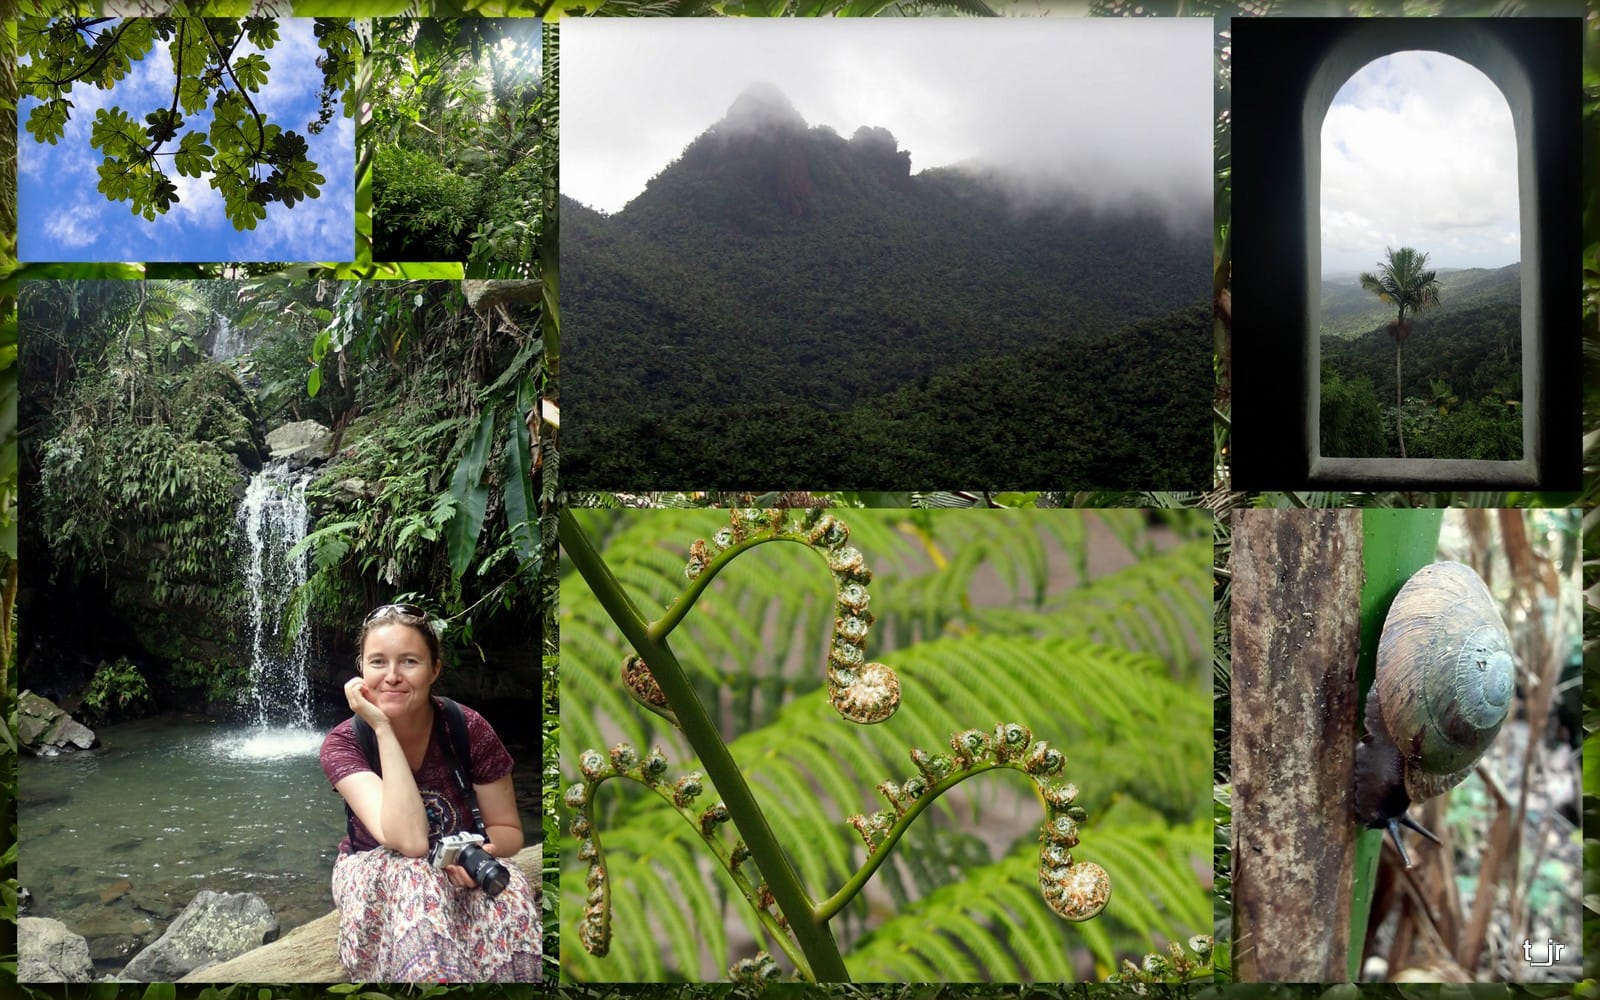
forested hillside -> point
(1461, 369)
(784, 286)
(1348, 310)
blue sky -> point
(62, 217)
(1419, 150)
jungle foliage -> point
(984, 616)
(1056, 415)
(774, 288)
(459, 141)
(434, 489)
(138, 445)
(251, 160)
(1462, 383)
(133, 443)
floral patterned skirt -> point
(401, 921)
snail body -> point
(1445, 676)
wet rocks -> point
(303, 442)
(213, 928)
(44, 728)
(47, 952)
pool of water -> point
(115, 842)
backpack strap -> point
(458, 755)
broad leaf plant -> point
(251, 160)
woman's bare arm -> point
(501, 821)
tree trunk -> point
(1399, 433)
(1296, 633)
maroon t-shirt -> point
(445, 805)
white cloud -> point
(1418, 149)
(1120, 107)
(76, 225)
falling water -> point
(273, 518)
(227, 342)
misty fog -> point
(1094, 113)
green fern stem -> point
(975, 754)
(624, 762)
(674, 615)
(814, 937)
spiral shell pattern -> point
(1445, 675)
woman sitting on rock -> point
(401, 919)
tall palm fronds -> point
(1402, 282)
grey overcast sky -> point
(1418, 150)
(1123, 106)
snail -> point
(1443, 687)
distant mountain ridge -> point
(1348, 310)
(775, 262)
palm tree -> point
(1402, 282)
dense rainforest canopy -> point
(778, 288)
(138, 441)
(1462, 371)
(461, 131)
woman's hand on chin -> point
(361, 703)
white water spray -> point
(228, 342)
(273, 518)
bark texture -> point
(1296, 633)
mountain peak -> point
(763, 107)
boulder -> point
(301, 442)
(213, 928)
(47, 952)
(484, 294)
(42, 725)
(310, 952)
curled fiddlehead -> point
(1175, 966)
(650, 770)
(757, 971)
(1073, 890)
(862, 691)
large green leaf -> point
(521, 505)
(471, 496)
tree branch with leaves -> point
(252, 161)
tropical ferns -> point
(985, 616)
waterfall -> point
(273, 518)
(227, 343)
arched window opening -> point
(1287, 74)
(1420, 300)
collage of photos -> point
(942, 490)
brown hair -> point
(400, 614)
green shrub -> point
(421, 210)
(115, 687)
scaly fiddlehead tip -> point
(755, 971)
(1076, 891)
(865, 696)
(642, 688)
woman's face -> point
(397, 669)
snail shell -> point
(1445, 677)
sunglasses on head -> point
(408, 610)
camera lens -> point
(490, 874)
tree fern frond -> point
(1090, 669)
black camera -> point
(462, 849)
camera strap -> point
(450, 727)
